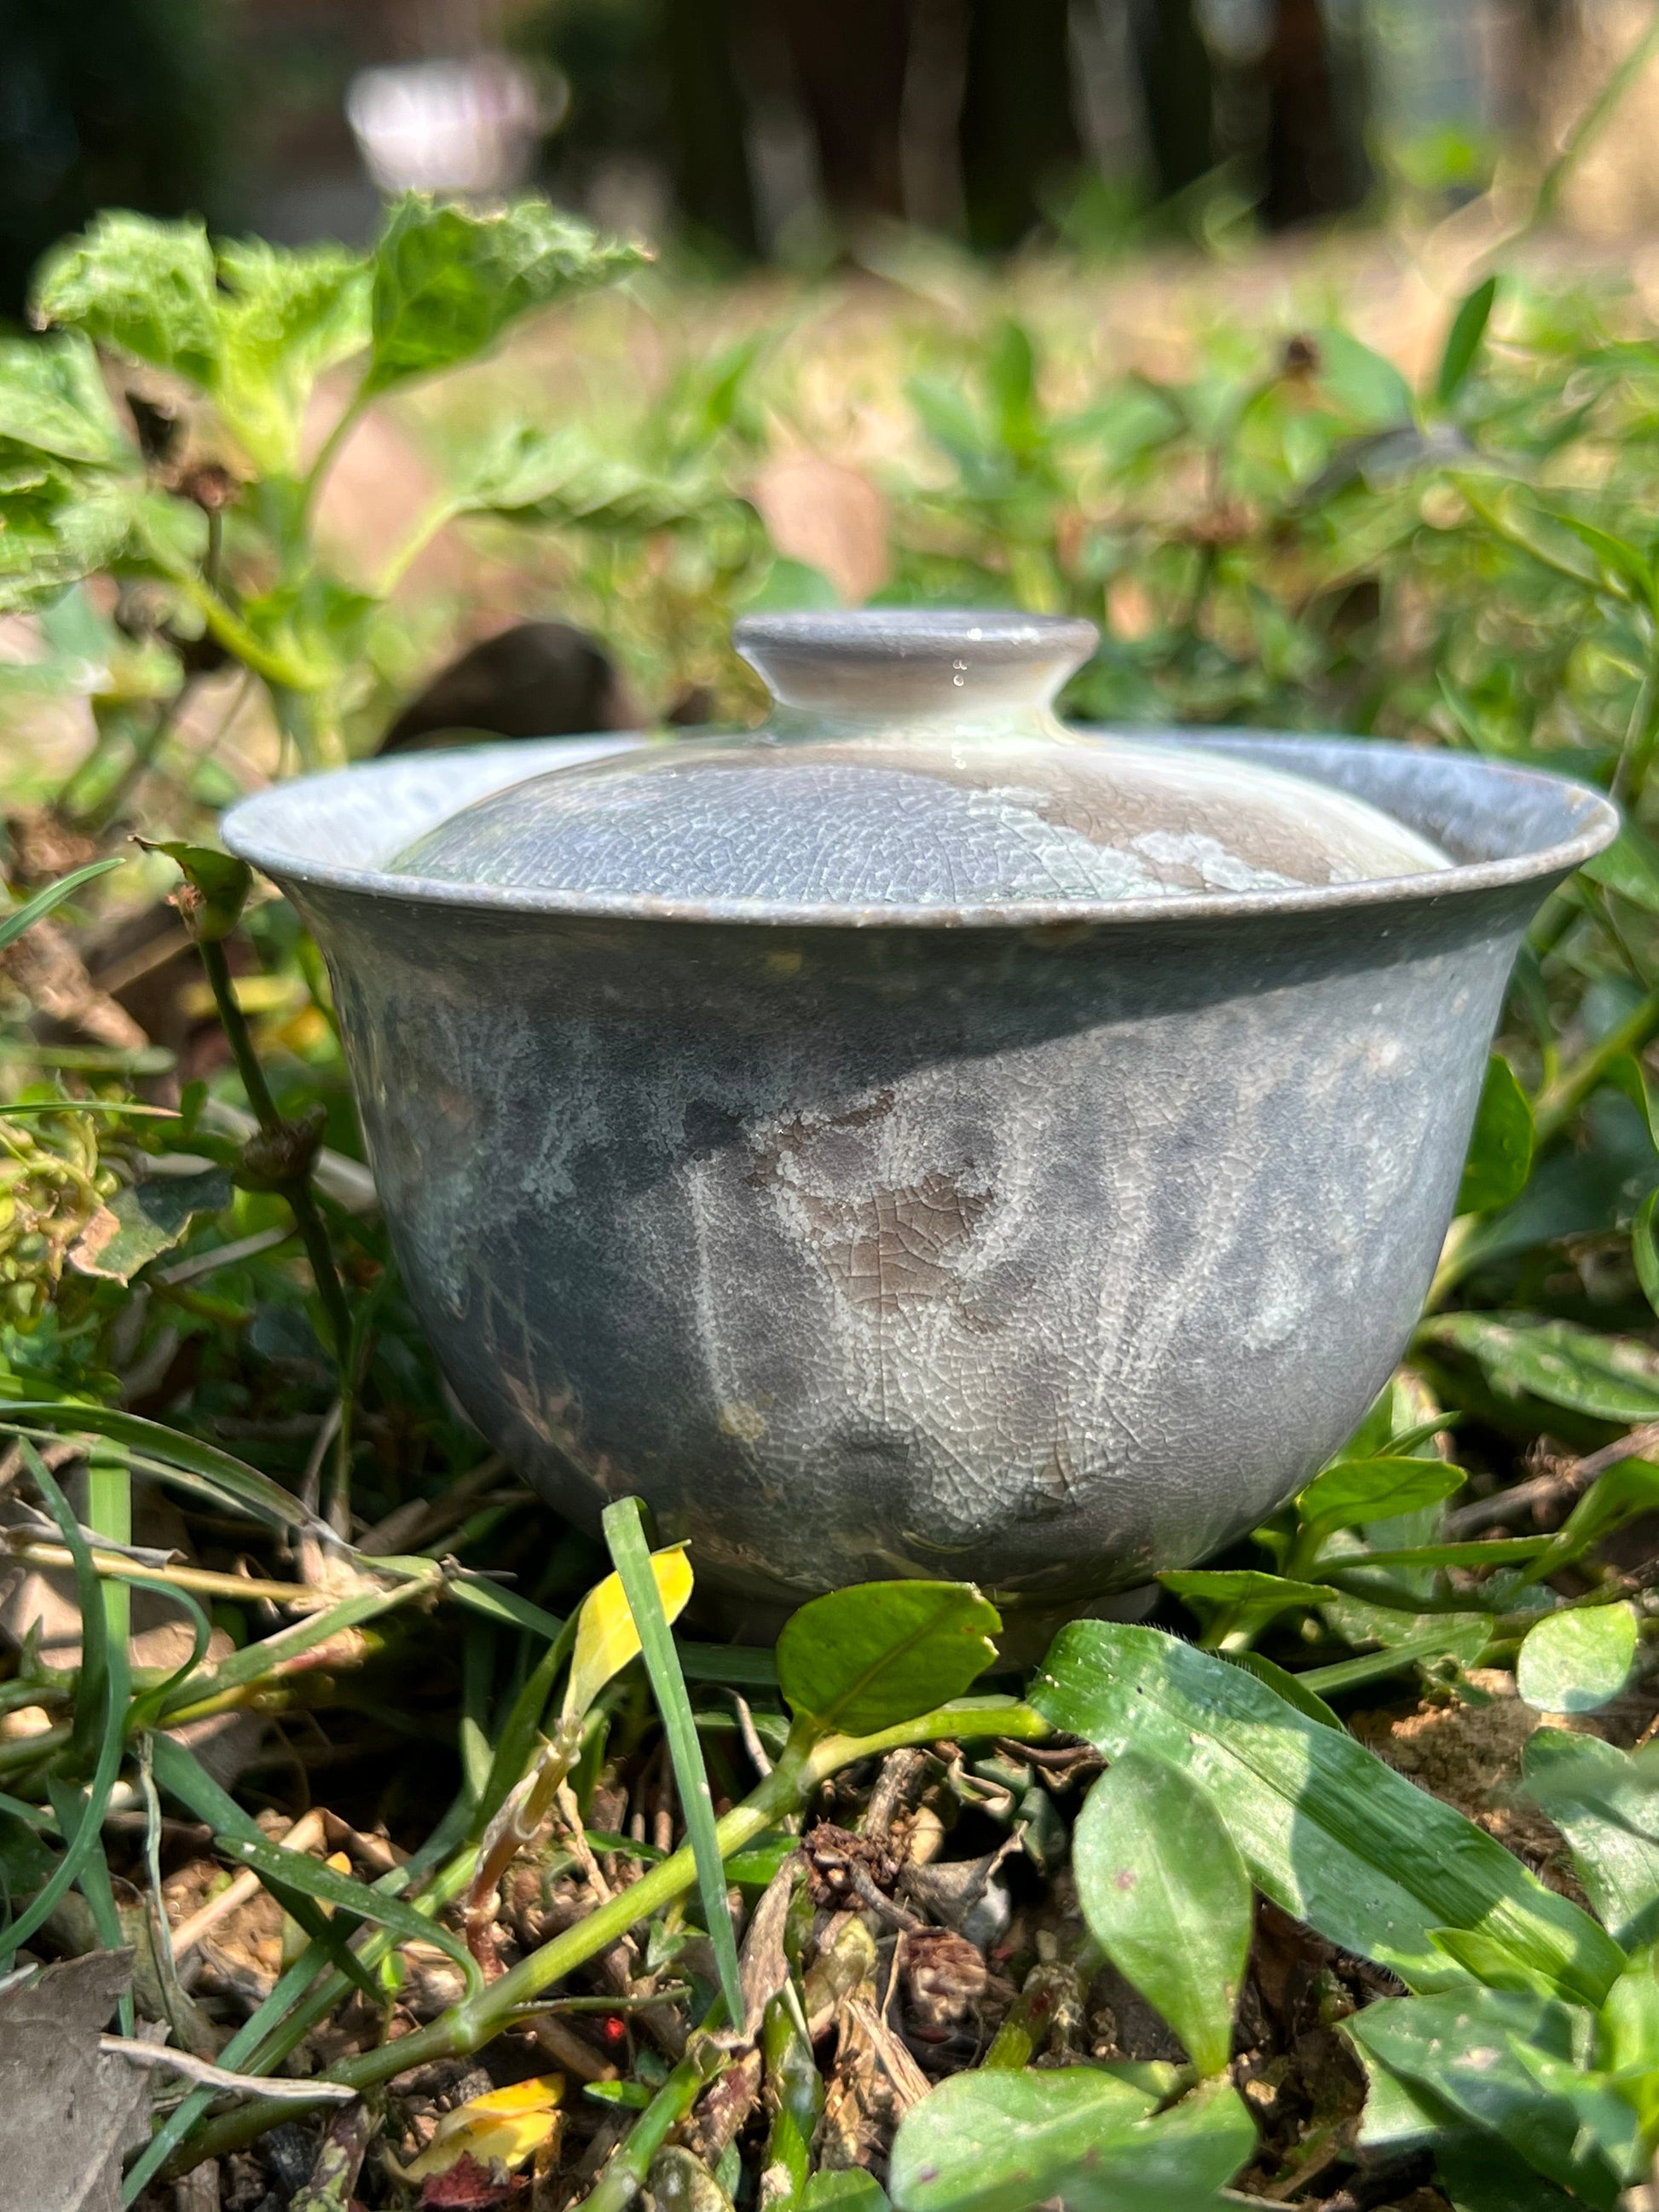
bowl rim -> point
(252, 829)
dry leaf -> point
(69, 2112)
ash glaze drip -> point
(914, 761)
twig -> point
(1509, 1506)
(222, 1255)
(221, 2077)
(750, 1736)
(295, 1182)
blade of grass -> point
(300, 1999)
(254, 1662)
(13, 925)
(183, 1777)
(169, 1453)
(70, 1801)
(624, 1532)
(291, 1870)
(105, 1666)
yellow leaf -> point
(505, 2128)
(606, 1638)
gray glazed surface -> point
(1045, 1249)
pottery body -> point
(1047, 1251)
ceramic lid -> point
(912, 760)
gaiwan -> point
(918, 1139)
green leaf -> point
(849, 2191)
(1500, 1150)
(1292, 1688)
(1512, 2064)
(142, 287)
(1167, 1898)
(1329, 1832)
(170, 1455)
(1246, 1587)
(1463, 1636)
(270, 1654)
(642, 1578)
(1576, 1662)
(13, 925)
(1463, 341)
(284, 318)
(284, 1872)
(53, 398)
(1478, 1551)
(1630, 866)
(103, 1695)
(447, 280)
(1645, 1248)
(868, 1657)
(1368, 388)
(1627, 1074)
(1607, 1808)
(1480, 2174)
(1003, 2140)
(1612, 1378)
(221, 882)
(1355, 1490)
(144, 1219)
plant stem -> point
(1586, 127)
(295, 1189)
(421, 535)
(234, 634)
(1557, 1104)
(630, 2162)
(468, 2025)
(329, 452)
(145, 751)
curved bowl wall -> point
(1047, 1254)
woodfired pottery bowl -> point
(1045, 1245)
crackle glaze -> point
(1047, 1241)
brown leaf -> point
(70, 2113)
(945, 1975)
(467, 2187)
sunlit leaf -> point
(1328, 1832)
(879, 1653)
(144, 1219)
(144, 287)
(607, 1636)
(1167, 1898)
(623, 1525)
(1574, 1662)
(997, 2140)
(504, 2126)
(52, 397)
(1355, 1491)
(1613, 1378)
(23, 917)
(447, 280)
(1606, 1805)
(1500, 1150)
(221, 883)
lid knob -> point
(902, 660)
